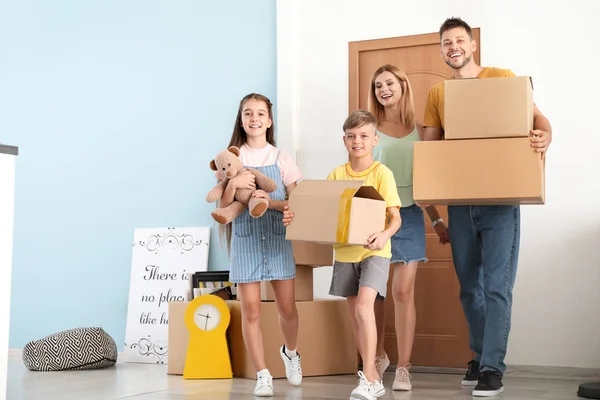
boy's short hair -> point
(358, 118)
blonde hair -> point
(407, 105)
(358, 118)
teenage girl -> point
(391, 101)
(257, 247)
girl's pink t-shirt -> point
(250, 157)
(290, 172)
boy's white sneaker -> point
(367, 390)
(293, 369)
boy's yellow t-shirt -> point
(434, 107)
(382, 179)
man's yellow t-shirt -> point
(382, 179)
(434, 108)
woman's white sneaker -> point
(381, 365)
(402, 379)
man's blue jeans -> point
(485, 250)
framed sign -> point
(163, 261)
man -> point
(485, 239)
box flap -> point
(368, 192)
(333, 188)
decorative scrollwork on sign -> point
(157, 350)
(171, 240)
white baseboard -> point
(15, 352)
(518, 371)
(18, 352)
(522, 371)
(549, 372)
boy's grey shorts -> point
(371, 272)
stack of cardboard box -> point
(325, 336)
(485, 157)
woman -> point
(391, 101)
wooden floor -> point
(144, 381)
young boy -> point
(360, 273)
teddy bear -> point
(228, 164)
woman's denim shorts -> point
(408, 244)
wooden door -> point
(442, 336)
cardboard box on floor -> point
(307, 256)
(478, 172)
(331, 352)
(328, 211)
(178, 337)
(488, 108)
(325, 340)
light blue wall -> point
(117, 108)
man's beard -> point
(465, 62)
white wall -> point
(556, 314)
(7, 202)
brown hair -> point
(238, 138)
(358, 118)
(407, 105)
(455, 22)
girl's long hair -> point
(238, 139)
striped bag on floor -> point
(73, 349)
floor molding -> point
(549, 372)
(517, 371)
(522, 371)
(15, 352)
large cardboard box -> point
(307, 256)
(325, 339)
(328, 211)
(303, 285)
(488, 108)
(478, 172)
